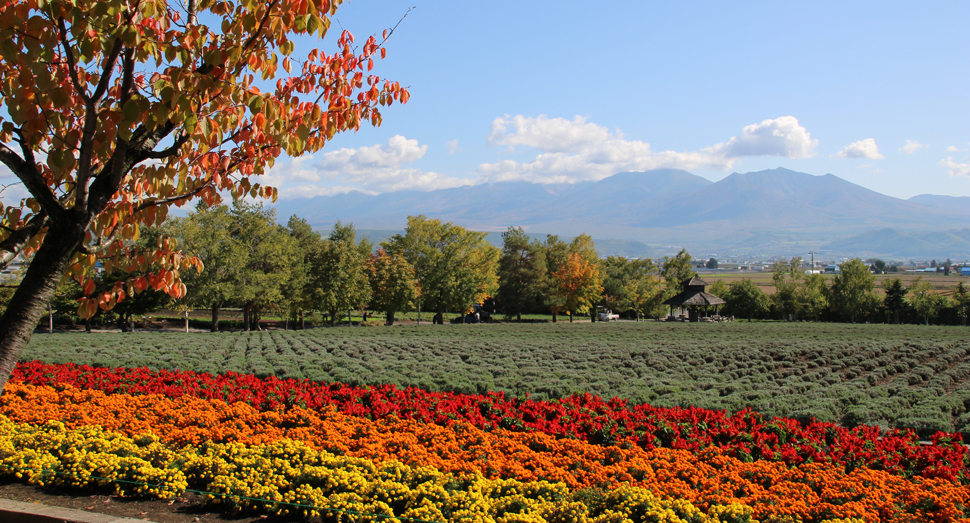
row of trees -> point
(253, 263)
(849, 296)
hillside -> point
(772, 212)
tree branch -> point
(90, 126)
(13, 245)
(26, 170)
(71, 63)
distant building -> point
(964, 271)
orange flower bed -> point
(811, 491)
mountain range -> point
(775, 212)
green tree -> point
(785, 277)
(676, 271)
(745, 299)
(456, 268)
(522, 273)
(393, 283)
(878, 265)
(557, 252)
(113, 111)
(814, 296)
(926, 302)
(297, 290)
(962, 298)
(268, 253)
(711, 263)
(852, 288)
(642, 291)
(895, 298)
(340, 279)
(207, 234)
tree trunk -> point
(248, 315)
(333, 317)
(570, 316)
(302, 321)
(215, 317)
(29, 302)
(554, 316)
(441, 312)
(518, 316)
(390, 318)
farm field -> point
(886, 375)
(763, 279)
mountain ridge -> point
(774, 211)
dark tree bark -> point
(29, 302)
(390, 318)
(215, 317)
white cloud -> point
(953, 149)
(862, 149)
(553, 135)
(912, 146)
(782, 136)
(576, 150)
(381, 167)
(453, 146)
(956, 169)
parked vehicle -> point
(607, 315)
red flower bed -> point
(745, 434)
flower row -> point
(706, 480)
(288, 477)
(744, 434)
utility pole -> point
(813, 253)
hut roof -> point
(694, 298)
(697, 281)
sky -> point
(877, 93)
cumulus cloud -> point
(782, 136)
(912, 146)
(555, 135)
(862, 149)
(381, 167)
(956, 169)
(576, 150)
(953, 149)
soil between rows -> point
(184, 509)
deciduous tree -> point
(962, 298)
(207, 234)
(114, 110)
(339, 277)
(675, 271)
(745, 299)
(785, 276)
(455, 267)
(852, 289)
(926, 302)
(393, 283)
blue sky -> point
(874, 92)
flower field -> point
(322, 451)
(906, 376)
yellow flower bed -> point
(289, 477)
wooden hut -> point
(695, 299)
